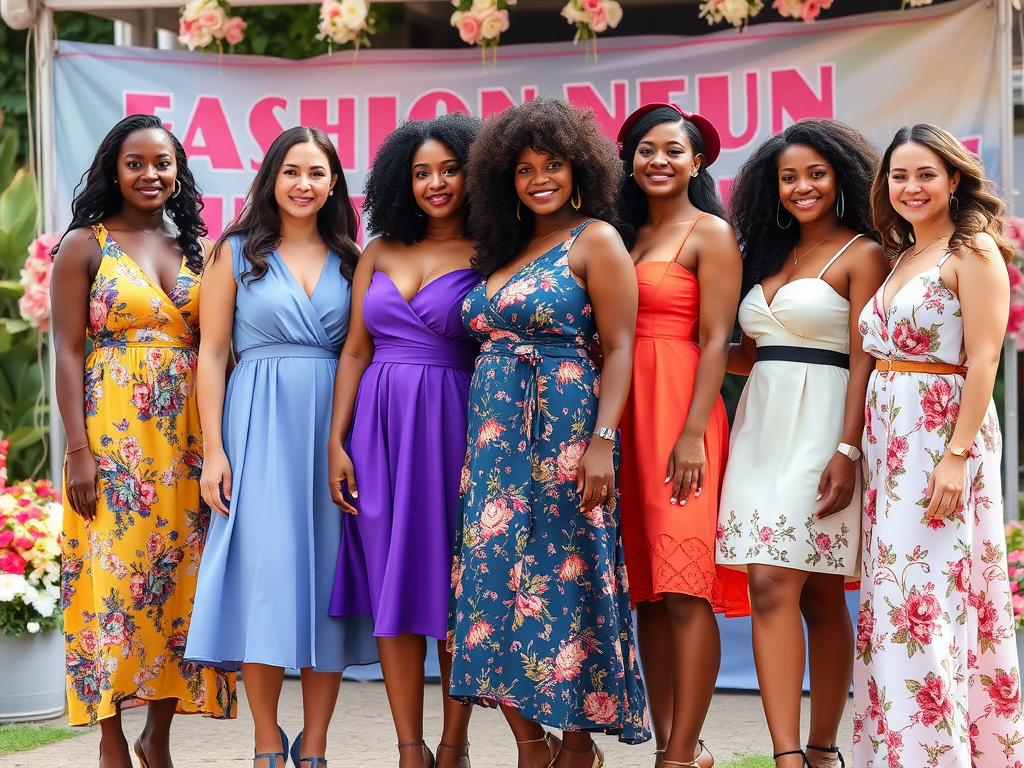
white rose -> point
(483, 6)
(32, 626)
(574, 15)
(737, 11)
(493, 25)
(353, 13)
(614, 11)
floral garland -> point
(30, 526)
(1013, 228)
(736, 12)
(592, 17)
(806, 10)
(481, 22)
(346, 21)
(34, 304)
(204, 22)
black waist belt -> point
(804, 355)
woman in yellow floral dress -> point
(134, 525)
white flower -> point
(32, 626)
(614, 11)
(45, 604)
(493, 24)
(575, 15)
(12, 586)
(483, 6)
(353, 13)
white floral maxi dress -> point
(936, 679)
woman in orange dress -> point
(675, 433)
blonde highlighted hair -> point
(974, 206)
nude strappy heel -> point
(549, 740)
(423, 746)
(463, 748)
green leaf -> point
(10, 261)
(18, 211)
(12, 288)
(14, 325)
(8, 157)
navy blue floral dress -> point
(540, 618)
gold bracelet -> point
(69, 451)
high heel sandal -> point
(831, 750)
(423, 746)
(693, 763)
(794, 752)
(297, 761)
(271, 757)
(143, 762)
(549, 741)
(599, 755)
(659, 756)
(463, 748)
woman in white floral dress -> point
(936, 679)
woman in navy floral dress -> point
(540, 621)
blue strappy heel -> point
(271, 757)
(314, 762)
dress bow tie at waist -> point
(533, 355)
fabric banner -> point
(876, 72)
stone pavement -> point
(361, 734)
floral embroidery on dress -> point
(770, 538)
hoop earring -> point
(518, 203)
(778, 217)
(954, 204)
(840, 204)
(578, 202)
(177, 188)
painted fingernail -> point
(672, 501)
(695, 495)
(667, 479)
(818, 497)
(682, 503)
(355, 494)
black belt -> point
(804, 355)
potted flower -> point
(31, 643)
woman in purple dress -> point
(401, 396)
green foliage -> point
(14, 615)
(21, 738)
(21, 375)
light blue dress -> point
(267, 570)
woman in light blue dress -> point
(280, 294)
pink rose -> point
(810, 9)
(147, 494)
(141, 394)
(529, 605)
(42, 246)
(934, 701)
(6, 537)
(1005, 693)
(1015, 320)
(898, 448)
(34, 306)
(495, 517)
(940, 409)
(234, 32)
(13, 563)
(137, 587)
(87, 639)
(961, 571)
(592, 5)
(212, 20)
(865, 629)
(569, 661)
(870, 502)
(601, 707)
(568, 461)
(823, 542)
(469, 31)
(153, 546)
(987, 616)
(1016, 276)
(478, 323)
(130, 451)
(97, 314)
(919, 615)
(765, 535)
(911, 340)
(599, 19)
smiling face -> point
(807, 184)
(438, 181)
(303, 181)
(664, 161)
(543, 182)
(146, 169)
(919, 184)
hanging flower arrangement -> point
(736, 12)
(591, 18)
(346, 21)
(34, 304)
(205, 22)
(481, 22)
(805, 10)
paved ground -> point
(362, 736)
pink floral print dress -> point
(540, 618)
(936, 679)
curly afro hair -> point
(755, 192)
(550, 126)
(390, 210)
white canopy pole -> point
(1011, 417)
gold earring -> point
(518, 203)
(177, 188)
(578, 202)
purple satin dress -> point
(408, 446)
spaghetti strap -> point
(685, 237)
(943, 260)
(841, 252)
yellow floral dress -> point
(129, 576)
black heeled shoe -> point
(800, 752)
(297, 761)
(834, 750)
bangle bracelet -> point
(69, 451)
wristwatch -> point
(960, 453)
(604, 433)
(849, 451)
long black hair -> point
(100, 197)
(389, 207)
(546, 125)
(755, 200)
(259, 223)
(702, 190)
